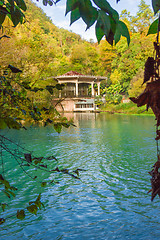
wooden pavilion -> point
(76, 94)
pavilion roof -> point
(75, 75)
(72, 73)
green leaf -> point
(75, 15)
(110, 38)
(99, 32)
(16, 16)
(156, 5)
(105, 6)
(32, 209)
(71, 5)
(57, 127)
(3, 10)
(117, 35)
(103, 25)
(45, 2)
(88, 13)
(2, 18)
(50, 3)
(43, 184)
(20, 214)
(121, 30)
(153, 27)
(21, 4)
(113, 25)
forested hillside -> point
(41, 50)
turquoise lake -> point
(110, 200)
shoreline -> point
(126, 108)
(124, 113)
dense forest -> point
(41, 51)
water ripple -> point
(110, 200)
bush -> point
(113, 98)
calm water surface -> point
(110, 201)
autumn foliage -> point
(151, 98)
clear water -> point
(109, 202)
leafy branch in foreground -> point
(30, 165)
(16, 106)
(100, 13)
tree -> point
(143, 18)
(107, 53)
(115, 77)
(136, 87)
(128, 61)
(126, 17)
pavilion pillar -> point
(76, 88)
(92, 89)
(98, 84)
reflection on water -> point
(110, 201)
(81, 117)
